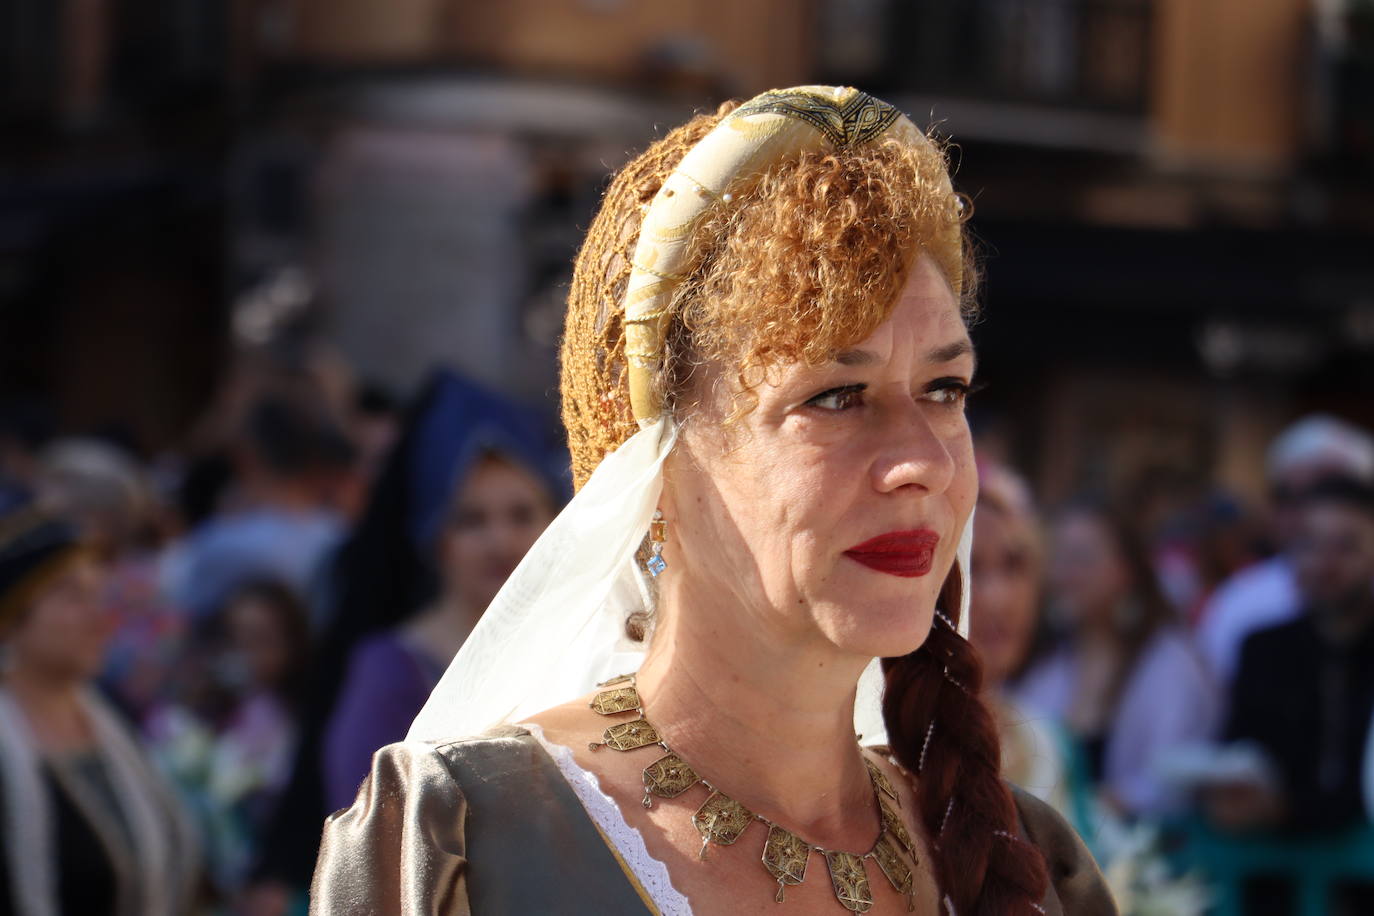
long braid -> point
(940, 729)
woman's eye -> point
(950, 391)
(842, 398)
(468, 520)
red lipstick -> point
(898, 553)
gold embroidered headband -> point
(768, 129)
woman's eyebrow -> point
(951, 352)
(857, 358)
(944, 354)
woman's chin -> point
(880, 629)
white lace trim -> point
(605, 813)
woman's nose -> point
(912, 454)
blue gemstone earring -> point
(658, 533)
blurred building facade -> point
(1173, 196)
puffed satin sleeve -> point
(400, 848)
(1077, 887)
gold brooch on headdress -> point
(844, 123)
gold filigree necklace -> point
(721, 820)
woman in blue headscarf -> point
(481, 492)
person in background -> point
(103, 490)
(480, 504)
(1008, 571)
(1304, 690)
(1266, 593)
(1125, 680)
(89, 827)
(1227, 541)
(282, 526)
(374, 423)
(1198, 538)
(98, 487)
(371, 425)
(385, 575)
(229, 739)
(1163, 502)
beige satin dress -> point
(489, 826)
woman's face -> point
(66, 630)
(499, 512)
(1089, 577)
(1006, 573)
(257, 637)
(833, 509)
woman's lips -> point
(898, 553)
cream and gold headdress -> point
(769, 129)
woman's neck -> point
(444, 626)
(1098, 632)
(52, 706)
(770, 723)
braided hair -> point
(940, 729)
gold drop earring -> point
(658, 533)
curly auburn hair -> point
(808, 260)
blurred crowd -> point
(201, 651)
(1205, 668)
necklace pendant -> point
(721, 820)
(668, 777)
(849, 880)
(785, 855)
(893, 867)
(881, 782)
(617, 700)
(894, 826)
(628, 736)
